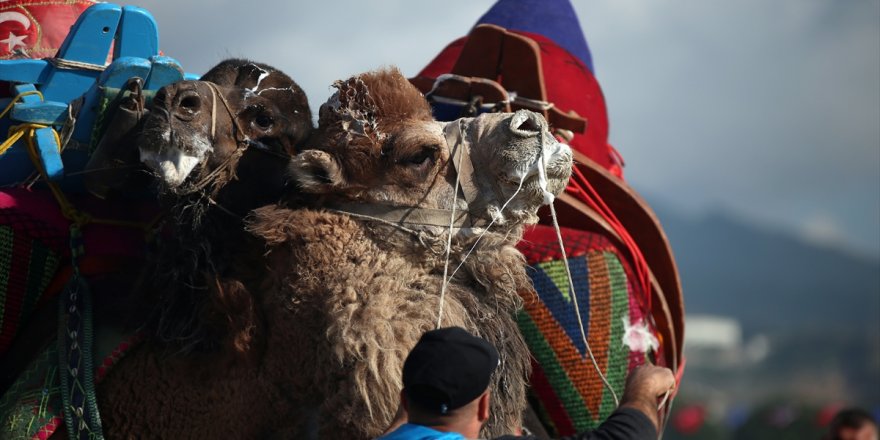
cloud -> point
(822, 229)
(769, 109)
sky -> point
(766, 110)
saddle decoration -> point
(491, 54)
(612, 237)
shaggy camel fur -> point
(220, 147)
(351, 295)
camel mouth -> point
(172, 165)
(546, 174)
(172, 151)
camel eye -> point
(264, 121)
(428, 153)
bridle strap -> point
(241, 144)
(414, 215)
(214, 93)
(461, 161)
(409, 215)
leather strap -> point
(414, 215)
(461, 160)
(493, 54)
(409, 215)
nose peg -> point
(527, 124)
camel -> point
(308, 339)
(357, 257)
(218, 148)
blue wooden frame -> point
(79, 71)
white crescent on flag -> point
(15, 16)
(13, 40)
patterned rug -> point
(566, 389)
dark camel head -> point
(242, 120)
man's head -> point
(446, 378)
(853, 424)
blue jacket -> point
(409, 431)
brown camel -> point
(357, 277)
(219, 147)
(194, 375)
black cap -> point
(447, 369)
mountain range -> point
(770, 280)
(818, 306)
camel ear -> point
(317, 172)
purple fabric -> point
(554, 19)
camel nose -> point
(527, 124)
(181, 100)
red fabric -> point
(117, 241)
(36, 28)
(570, 86)
(539, 243)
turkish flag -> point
(36, 28)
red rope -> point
(580, 187)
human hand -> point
(644, 386)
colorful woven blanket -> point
(567, 391)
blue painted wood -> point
(47, 113)
(135, 53)
(164, 71)
(7, 121)
(89, 41)
(24, 88)
(24, 71)
(122, 69)
(191, 76)
(48, 148)
(138, 34)
(15, 163)
(114, 76)
(98, 25)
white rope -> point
(663, 401)
(471, 250)
(564, 258)
(667, 415)
(61, 63)
(449, 240)
(213, 111)
(474, 246)
(577, 309)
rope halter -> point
(419, 216)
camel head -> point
(377, 143)
(202, 134)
